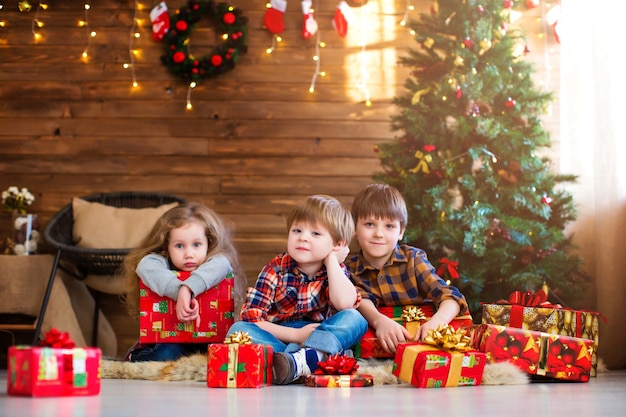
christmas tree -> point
(483, 203)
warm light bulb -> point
(412, 32)
(82, 23)
(126, 66)
(322, 44)
(315, 57)
(43, 6)
(135, 84)
(269, 50)
(137, 35)
(278, 38)
(37, 36)
(311, 89)
(268, 5)
(368, 103)
(93, 34)
(323, 73)
(39, 23)
(87, 6)
(189, 106)
(193, 84)
(2, 23)
(84, 55)
(225, 36)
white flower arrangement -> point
(15, 199)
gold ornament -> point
(24, 6)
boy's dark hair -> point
(381, 201)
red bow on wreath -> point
(337, 365)
(451, 267)
(57, 339)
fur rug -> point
(194, 368)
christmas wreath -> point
(230, 27)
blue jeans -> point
(164, 351)
(334, 335)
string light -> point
(36, 23)
(317, 58)
(90, 34)
(408, 8)
(132, 52)
(276, 39)
(2, 22)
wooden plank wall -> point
(256, 140)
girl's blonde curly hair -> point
(219, 238)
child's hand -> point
(431, 324)
(187, 308)
(338, 254)
(305, 332)
(390, 333)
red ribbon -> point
(337, 365)
(57, 339)
(528, 299)
(451, 267)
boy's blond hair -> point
(381, 201)
(326, 211)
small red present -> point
(431, 365)
(158, 322)
(409, 316)
(338, 371)
(44, 371)
(532, 311)
(536, 353)
(237, 363)
(338, 381)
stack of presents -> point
(543, 340)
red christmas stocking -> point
(273, 19)
(309, 25)
(160, 21)
(343, 16)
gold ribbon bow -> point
(422, 165)
(413, 313)
(447, 337)
(238, 338)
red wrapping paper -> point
(158, 322)
(536, 353)
(239, 366)
(427, 366)
(338, 381)
(53, 372)
(531, 313)
(369, 347)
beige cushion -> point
(99, 226)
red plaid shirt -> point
(284, 293)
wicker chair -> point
(87, 261)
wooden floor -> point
(603, 396)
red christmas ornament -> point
(468, 43)
(481, 8)
(568, 356)
(178, 57)
(546, 200)
(181, 26)
(459, 93)
(216, 60)
(376, 149)
(515, 348)
(429, 148)
(510, 103)
(502, 339)
(229, 18)
(556, 348)
(507, 4)
(531, 4)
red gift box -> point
(339, 381)
(52, 372)
(232, 365)
(536, 353)
(158, 322)
(427, 366)
(411, 317)
(532, 312)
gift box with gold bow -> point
(55, 369)
(444, 360)
(536, 353)
(158, 322)
(409, 316)
(532, 311)
(238, 363)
